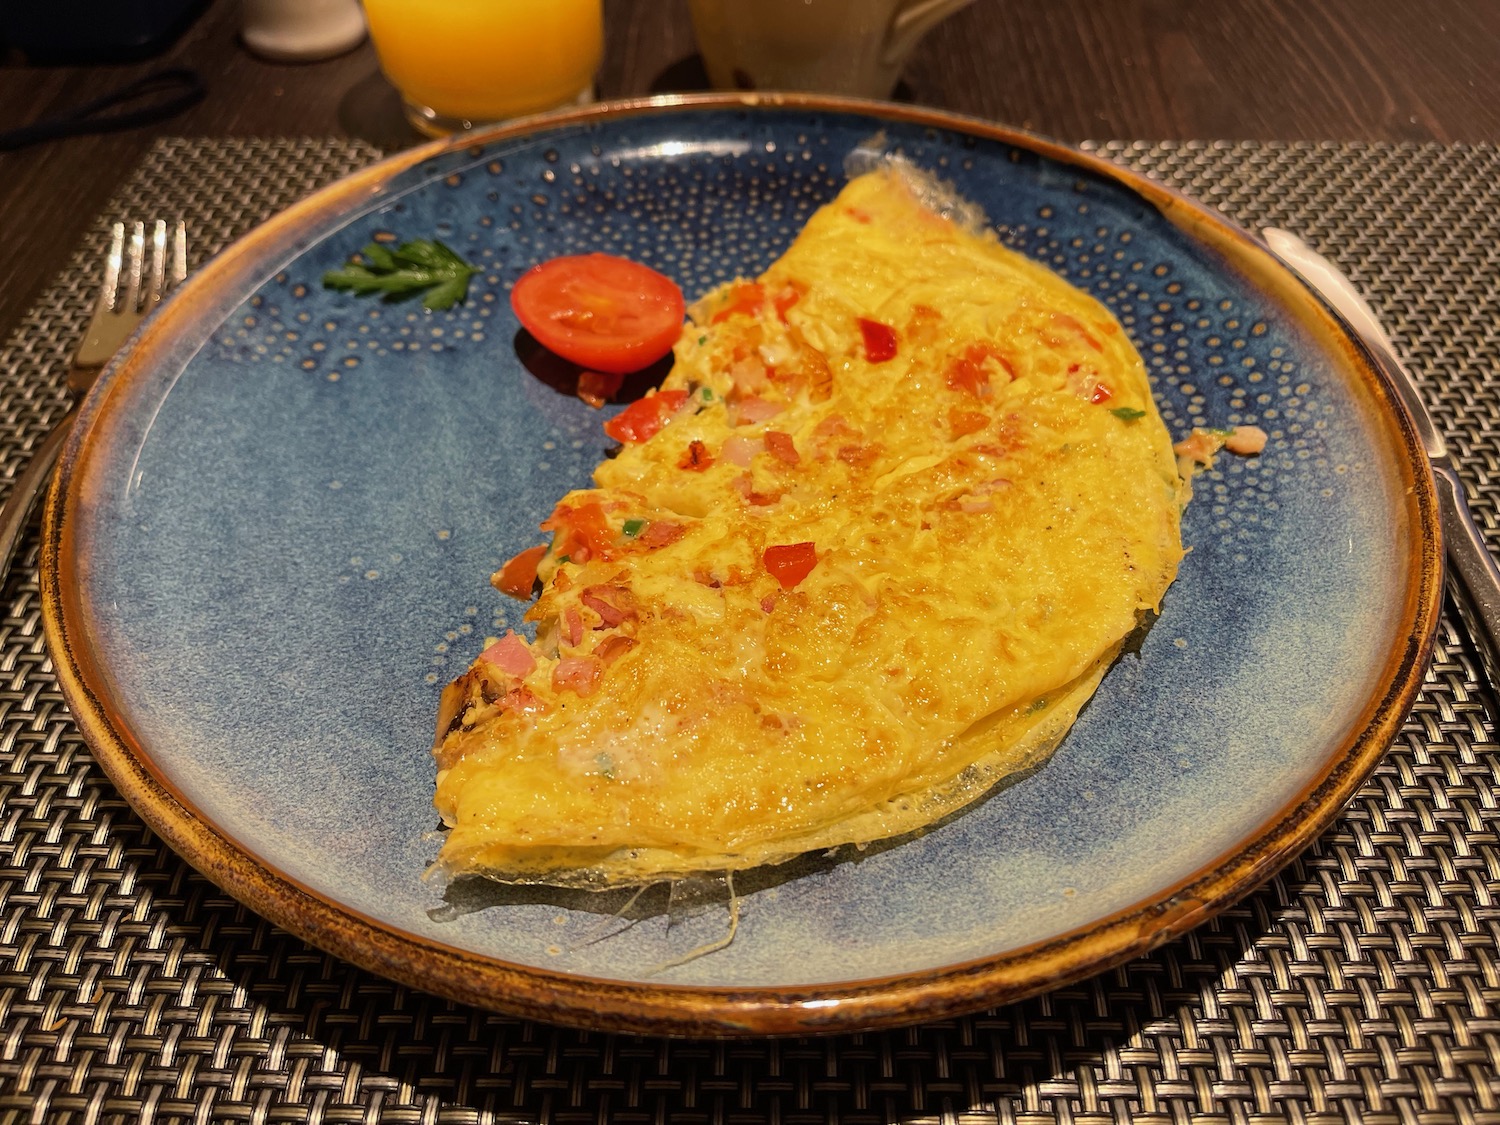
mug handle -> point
(910, 22)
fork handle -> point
(16, 511)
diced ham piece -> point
(510, 654)
(612, 648)
(1199, 446)
(521, 701)
(660, 533)
(578, 674)
(1247, 441)
(611, 603)
(752, 409)
(749, 375)
(780, 446)
(740, 450)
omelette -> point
(866, 553)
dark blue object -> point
(94, 31)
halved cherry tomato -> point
(790, 563)
(643, 417)
(605, 313)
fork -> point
(133, 285)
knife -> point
(1470, 563)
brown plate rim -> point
(709, 1011)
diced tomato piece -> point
(787, 297)
(1101, 394)
(645, 416)
(1073, 324)
(744, 300)
(961, 422)
(860, 455)
(581, 532)
(518, 575)
(970, 373)
(510, 654)
(880, 340)
(598, 387)
(790, 563)
(696, 458)
(780, 446)
(744, 484)
(967, 376)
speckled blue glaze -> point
(294, 501)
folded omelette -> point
(867, 552)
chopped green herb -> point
(405, 271)
(632, 528)
(706, 394)
(1127, 413)
(564, 558)
(702, 340)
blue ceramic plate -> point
(270, 544)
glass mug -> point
(460, 63)
(834, 46)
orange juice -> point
(460, 62)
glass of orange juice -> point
(460, 63)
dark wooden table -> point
(1391, 70)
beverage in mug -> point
(832, 46)
(459, 63)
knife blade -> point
(1470, 563)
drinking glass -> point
(461, 63)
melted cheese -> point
(971, 449)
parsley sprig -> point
(406, 270)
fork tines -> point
(133, 284)
(146, 281)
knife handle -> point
(1472, 564)
(29, 485)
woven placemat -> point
(1363, 983)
